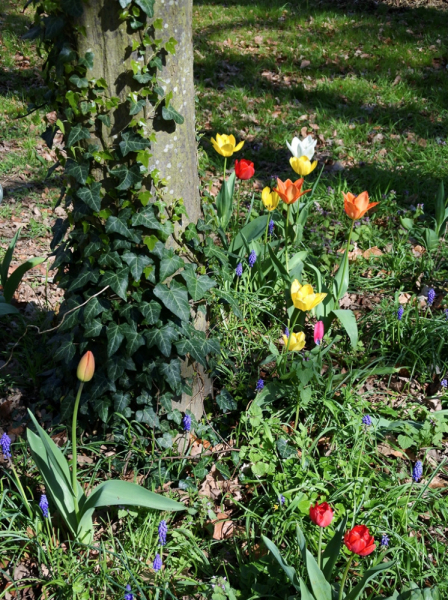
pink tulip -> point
(318, 332)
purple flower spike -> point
(259, 386)
(400, 313)
(444, 383)
(43, 505)
(252, 258)
(417, 471)
(385, 540)
(163, 530)
(367, 420)
(157, 564)
(129, 595)
(5, 443)
(282, 500)
(431, 296)
(271, 227)
(186, 423)
(287, 332)
(239, 269)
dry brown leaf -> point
(418, 251)
(438, 483)
(304, 131)
(223, 527)
(423, 143)
(375, 251)
(397, 80)
(387, 450)
(404, 298)
(304, 64)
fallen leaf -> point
(304, 64)
(375, 251)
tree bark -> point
(175, 152)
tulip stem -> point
(345, 265)
(286, 238)
(238, 207)
(344, 577)
(319, 552)
(266, 236)
(74, 459)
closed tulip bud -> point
(226, 145)
(244, 169)
(302, 165)
(318, 332)
(321, 514)
(86, 367)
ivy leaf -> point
(73, 8)
(148, 416)
(114, 338)
(169, 264)
(101, 408)
(171, 372)
(110, 259)
(80, 82)
(117, 280)
(121, 403)
(197, 286)
(146, 218)
(147, 6)
(170, 114)
(150, 311)
(76, 134)
(127, 177)
(77, 170)
(161, 338)
(116, 225)
(136, 107)
(284, 449)
(65, 351)
(175, 298)
(86, 275)
(92, 309)
(166, 441)
(225, 401)
(105, 119)
(136, 262)
(198, 347)
(93, 328)
(87, 60)
(134, 339)
(124, 3)
(116, 366)
(132, 142)
(91, 195)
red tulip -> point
(86, 367)
(318, 332)
(359, 541)
(244, 169)
(321, 514)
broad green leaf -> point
(290, 571)
(368, 575)
(80, 82)
(114, 338)
(305, 593)
(148, 416)
(76, 134)
(169, 264)
(101, 408)
(163, 338)
(91, 196)
(170, 114)
(127, 177)
(15, 278)
(171, 372)
(146, 218)
(224, 201)
(331, 552)
(87, 60)
(198, 347)
(166, 441)
(440, 208)
(8, 257)
(105, 119)
(93, 328)
(134, 339)
(136, 262)
(7, 309)
(132, 142)
(136, 107)
(110, 259)
(431, 239)
(78, 170)
(175, 298)
(65, 350)
(342, 278)
(348, 321)
(151, 311)
(407, 223)
(197, 286)
(92, 309)
(320, 586)
(147, 6)
(251, 232)
(118, 281)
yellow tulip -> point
(269, 199)
(302, 166)
(225, 145)
(303, 296)
(296, 341)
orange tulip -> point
(290, 192)
(357, 206)
(86, 367)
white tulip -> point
(304, 147)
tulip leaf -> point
(8, 309)
(290, 571)
(305, 594)
(342, 278)
(251, 232)
(321, 587)
(368, 575)
(348, 321)
(15, 278)
(331, 552)
(7, 259)
(440, 208)
(431, 239)
(224, 201)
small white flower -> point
(304, 147)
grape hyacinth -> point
(259, 386)
(431, 296)
(367, 420)
(43, 505)
(400, 313)
(163, 530)
(157, 564)
(129, 595)
(239, 269)
(186, 423)
(252, 258)
(287, 332)
(5, 443)
(417, 471)
(444, 383)
(282, 500)
(271, 227)
(385, 540)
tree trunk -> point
(175, 152)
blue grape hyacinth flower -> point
(385, 540)
(400, 313)
(129, 595)
(157, 564)
(43, 505)
(367, 420)
(186, 423)
(163, 530)
(417, 471)
(259, 386)
(252, 258)
(444, 383)
(431, 296)
(239, 269)
(5, 443)
(271, 227)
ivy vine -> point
(113, 248)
